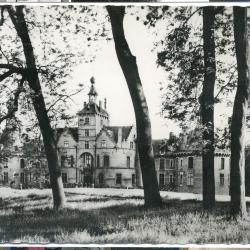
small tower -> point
(92, 117)
(92, 92)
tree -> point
(207, 108)
(31, 76)
(188, 56)
(144, 140)
(238, 126)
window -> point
(101, 178)
(171, 163)
(222, 181)
(181, 178)
(72, 161)
(118, 179)
(106, 161)
(5, 177)
(22, 178)
(66, 143)
(103, 144)
(86, 145)
(133, 179)
(87, 159)
(161, 179)
(87, 120)
(128, 162)
(190, 179)
(222, 163)
(101, 122)
(171, 179)
(98, 161)
(162, 164)
(181, 162)
(131, 145)
(190, 162)
(176, 161)
(64, 177)
(86, 132)
(22, 163)
(6, 160)
(63, 161)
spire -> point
(92, 92)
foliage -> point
(180, 53)
(62, 39)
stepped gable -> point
(72, 130)
(113, 132)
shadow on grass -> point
(48, 223)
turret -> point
(92, 92)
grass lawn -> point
(112, 216)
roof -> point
(113, 132)
(72, 130)
(93, 109)
(158, 145)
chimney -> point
(105, 103)
(100, 104)
(119, 139)
(171, 135)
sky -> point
(110, 81)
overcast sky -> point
(110, 82)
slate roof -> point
(72, 130)
(113, 132)
(93, 109)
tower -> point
(91, 119)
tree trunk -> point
(238, 126)
(207, 108)
(129, 67)
(19, 22)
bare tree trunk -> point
(130, 70)
(19, 22)
(207, 108)
(238, 127)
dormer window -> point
(66, 143)
(103, 144)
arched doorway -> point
(87, 169)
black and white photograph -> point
(124, 124)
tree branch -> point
(224, 86)
(5, 75)
(14, 106)
(4, 54)
(63, 98)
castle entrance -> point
(87, 169)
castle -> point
(95, 154)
